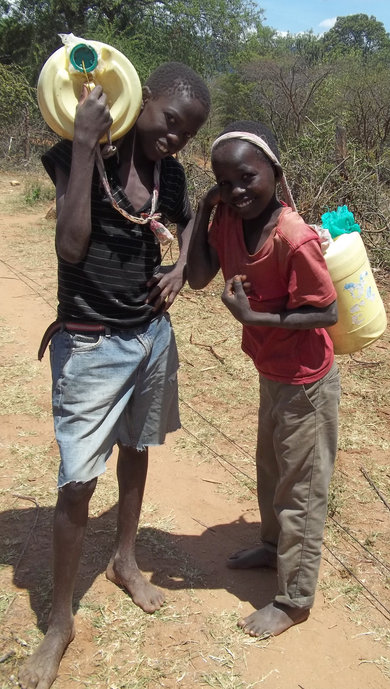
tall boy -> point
(113, 353)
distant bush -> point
(36, 191)
(23, 133)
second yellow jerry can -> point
(361, 312)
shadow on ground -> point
(173, 561)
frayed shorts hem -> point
(132, 445)
(140, 447)
(66, 482)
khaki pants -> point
(296, 450)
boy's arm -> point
(168, 282)
(73, 193)
(302, 318)
(202, 260)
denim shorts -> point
(119, 387)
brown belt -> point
(69, 327)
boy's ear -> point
(278, 174)
(146, 94)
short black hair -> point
(176, 77)
(257, 128)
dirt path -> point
(191, 523)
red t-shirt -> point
(288, 271)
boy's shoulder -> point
(293, 230)
(172, 176)
(58, 155)
(171, 165)
(61, 148)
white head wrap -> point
(262, 144)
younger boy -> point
(278, 287)
(113, 353)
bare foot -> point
(273, 620)
(148, 597)
(40, 670)
(253, 557)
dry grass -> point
(219, 399)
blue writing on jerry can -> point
(361, 313)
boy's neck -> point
(131, 154)
(257, 230)
(136, 172)
(142, 164)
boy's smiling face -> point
(246, 178)
(167, 123)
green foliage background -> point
(326, 97)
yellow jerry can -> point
(361, 312)
(78, 62)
